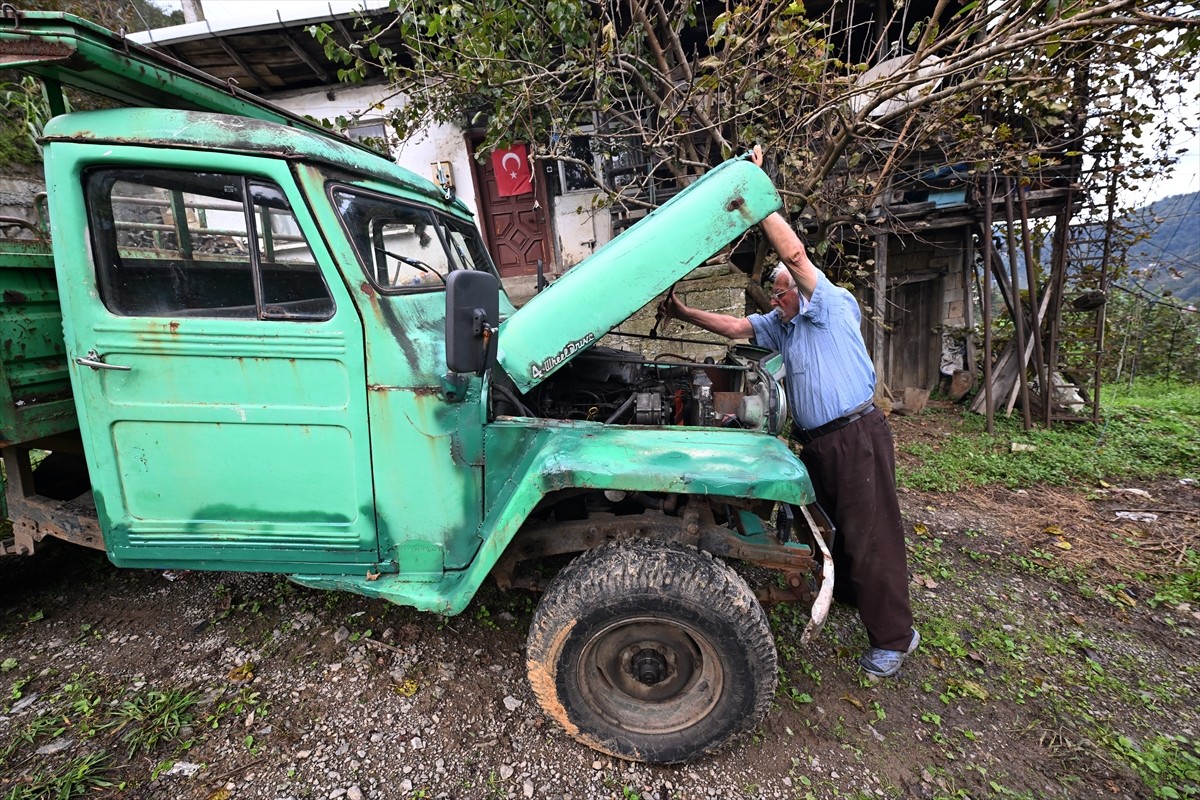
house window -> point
(195, 244)
(573, 176)
(369, 132)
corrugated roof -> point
(266, 50)
(258, 18)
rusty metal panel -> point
(71, 51)
(35, 390)
(74, 52)
(628, 272)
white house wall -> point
(579, 226)
(438, 143)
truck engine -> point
(622, 387)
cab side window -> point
(186, 244)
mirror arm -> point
(482, 328)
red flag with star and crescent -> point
(513, 173)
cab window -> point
(187, 244)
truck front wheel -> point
(651, 652)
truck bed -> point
(35, 388)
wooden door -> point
(913, 341)
(515, 227)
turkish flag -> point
(513, 173)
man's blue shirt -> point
(829, 373)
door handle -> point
(93, 360)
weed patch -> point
(62, 750)
(1146, 434)
(1169, 765)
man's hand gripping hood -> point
(608, 287)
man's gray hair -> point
(781, 269)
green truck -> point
(245, 343)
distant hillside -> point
(1168, 262)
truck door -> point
(216, 361)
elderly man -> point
(847, 445)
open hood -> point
(624, 275)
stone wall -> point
(715, 287)
(17, 197)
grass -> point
(1049, 665)
(1152, 395)
(1169, 765)
(1182, 586)
(77, 777)
(97, 712)
(147, 720)
(1148, 432)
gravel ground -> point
(1033, 667)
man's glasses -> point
(779, 295)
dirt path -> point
(1043, 672)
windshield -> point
(406, 247)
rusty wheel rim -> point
(650, 675)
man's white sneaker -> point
(883, 663)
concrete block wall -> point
(955, 313)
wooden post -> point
(1035, 323)
(997, 266)
(1102, 312)
(986, 244)
(1022, 385)
(879, 301)
(968, 272)
(1058, 280)
(193, 11)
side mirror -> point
(472, 314)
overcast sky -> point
(1183, 179)
(221, 9)
(1186, 176)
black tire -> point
(651, 652)
(61, 476)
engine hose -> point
(623, 408)
(512, 398)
